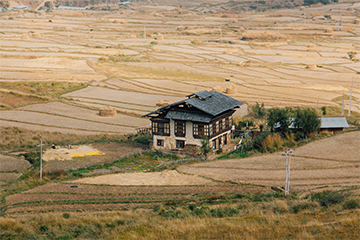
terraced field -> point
(332, 162)
(265, 55)
(78, 197)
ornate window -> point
(161, 128)
(200, 130)
(180, 128)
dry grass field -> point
(330, 162)
(183, 50)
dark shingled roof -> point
(189, 116)
(212, 103)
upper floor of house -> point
(201, 114)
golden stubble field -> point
(144, 52)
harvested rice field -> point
(332, 161)
(142, 52)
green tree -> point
(352, 55)
(47, 4)
(307, 120)
(205, 146)
(259, 110)
(279, 117)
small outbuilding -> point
(333, 124)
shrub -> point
(66, 215)
(272, 143)
(328, 198)
(351, 204)
(224, 212)
(44, 228)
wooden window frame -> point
(160, 142)
(180, 128)
(161, 128)
(180, 144)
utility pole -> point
(68, 36)
(350, 97)
(287, 171)
(144, 32)
(317, 104)
(342, 106)
(41, 144)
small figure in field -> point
(69, 145)
(50, 20)
(53, 146)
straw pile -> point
(328, 30)
(122, 13)
(158, 15)
(25, 37)
(311, 66)
(217, 89)
(231, 89)
(357, 21)
(302, 8)
(163, 103)
(52, 154)
(235, 21)
(133, 36)
(311, 45)
(116, 21)
(159, 37)
(149, 2)
(240, 64)
(36, 35)
(156, 49)
(350, 9)
(107, 111)
(156, 4)
(180, 28)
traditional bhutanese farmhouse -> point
(185, 123)
(333, 124)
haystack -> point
(36, 35)
(240, 64)
(227, 51)
(116, 21)
(350, 9)
(149, 2)
(122, 13)
(357, 21)
(25, 37)
(133, 36)
(163, 103)
(302, 8)
(156, 49)
(217, 89)
(53, 154)
(107, 111)
(314, 18)
(158, 15)
(311, 66)
(231, 89)
(159, 37)
(311, 45)
(180, 28)
(123, 22)
(328, 30)
(235, 21)
(156, 4)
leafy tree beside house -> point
(307, 120)
(279, 117)
(205, 147)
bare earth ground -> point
(333, 161)
(197, 51)
(113, 151)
